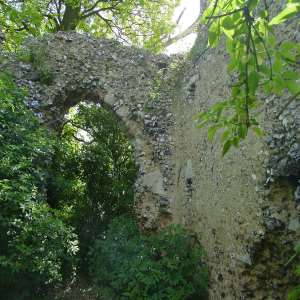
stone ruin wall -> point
(243, 207)
(122, 79)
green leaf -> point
(287, 46)
(253, 80)
(277, 65)
(235, 141)
(293, 87)
(228, 23)
(229, 33)
(243, 130)
(278, 85)
(207, 13)
(258, 131)
(297, 271)
(211, 132)
(297, 248)
(252, 4)
(290, 10)
(287, 50)
(213, 35)
(263, 14)
(290, 75)
(271, 40)
(229, 46)
(225, 135)
(294, 294)
(226, 147)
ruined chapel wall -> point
(242, 206)
(124, 80)
(237, 205)
(216, 197)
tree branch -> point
(81, 141)
(266, 49)
(224, 15)
(51, 17)
(92, 7)
(97, 11)
(183, 34)
(288, 102)
(180, 16)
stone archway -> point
(123, 80)
(224, 200)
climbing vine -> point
(260, 65)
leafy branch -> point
(259, 64)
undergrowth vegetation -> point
(67, 211)
(131, 265)
(37, 248)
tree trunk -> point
(71, 17)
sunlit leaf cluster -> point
(134, 22)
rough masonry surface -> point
(244, 207)
(120, 78)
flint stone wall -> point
(244, 207)
(120, 78)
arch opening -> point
(152, 203)
(93, 172)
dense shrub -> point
(40, 253)
(167, 265)
(37, 249)
(108, 163)
(294, 294)
(92, 172)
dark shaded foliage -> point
(166, 265)
(37, 248)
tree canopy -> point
(135, 22)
